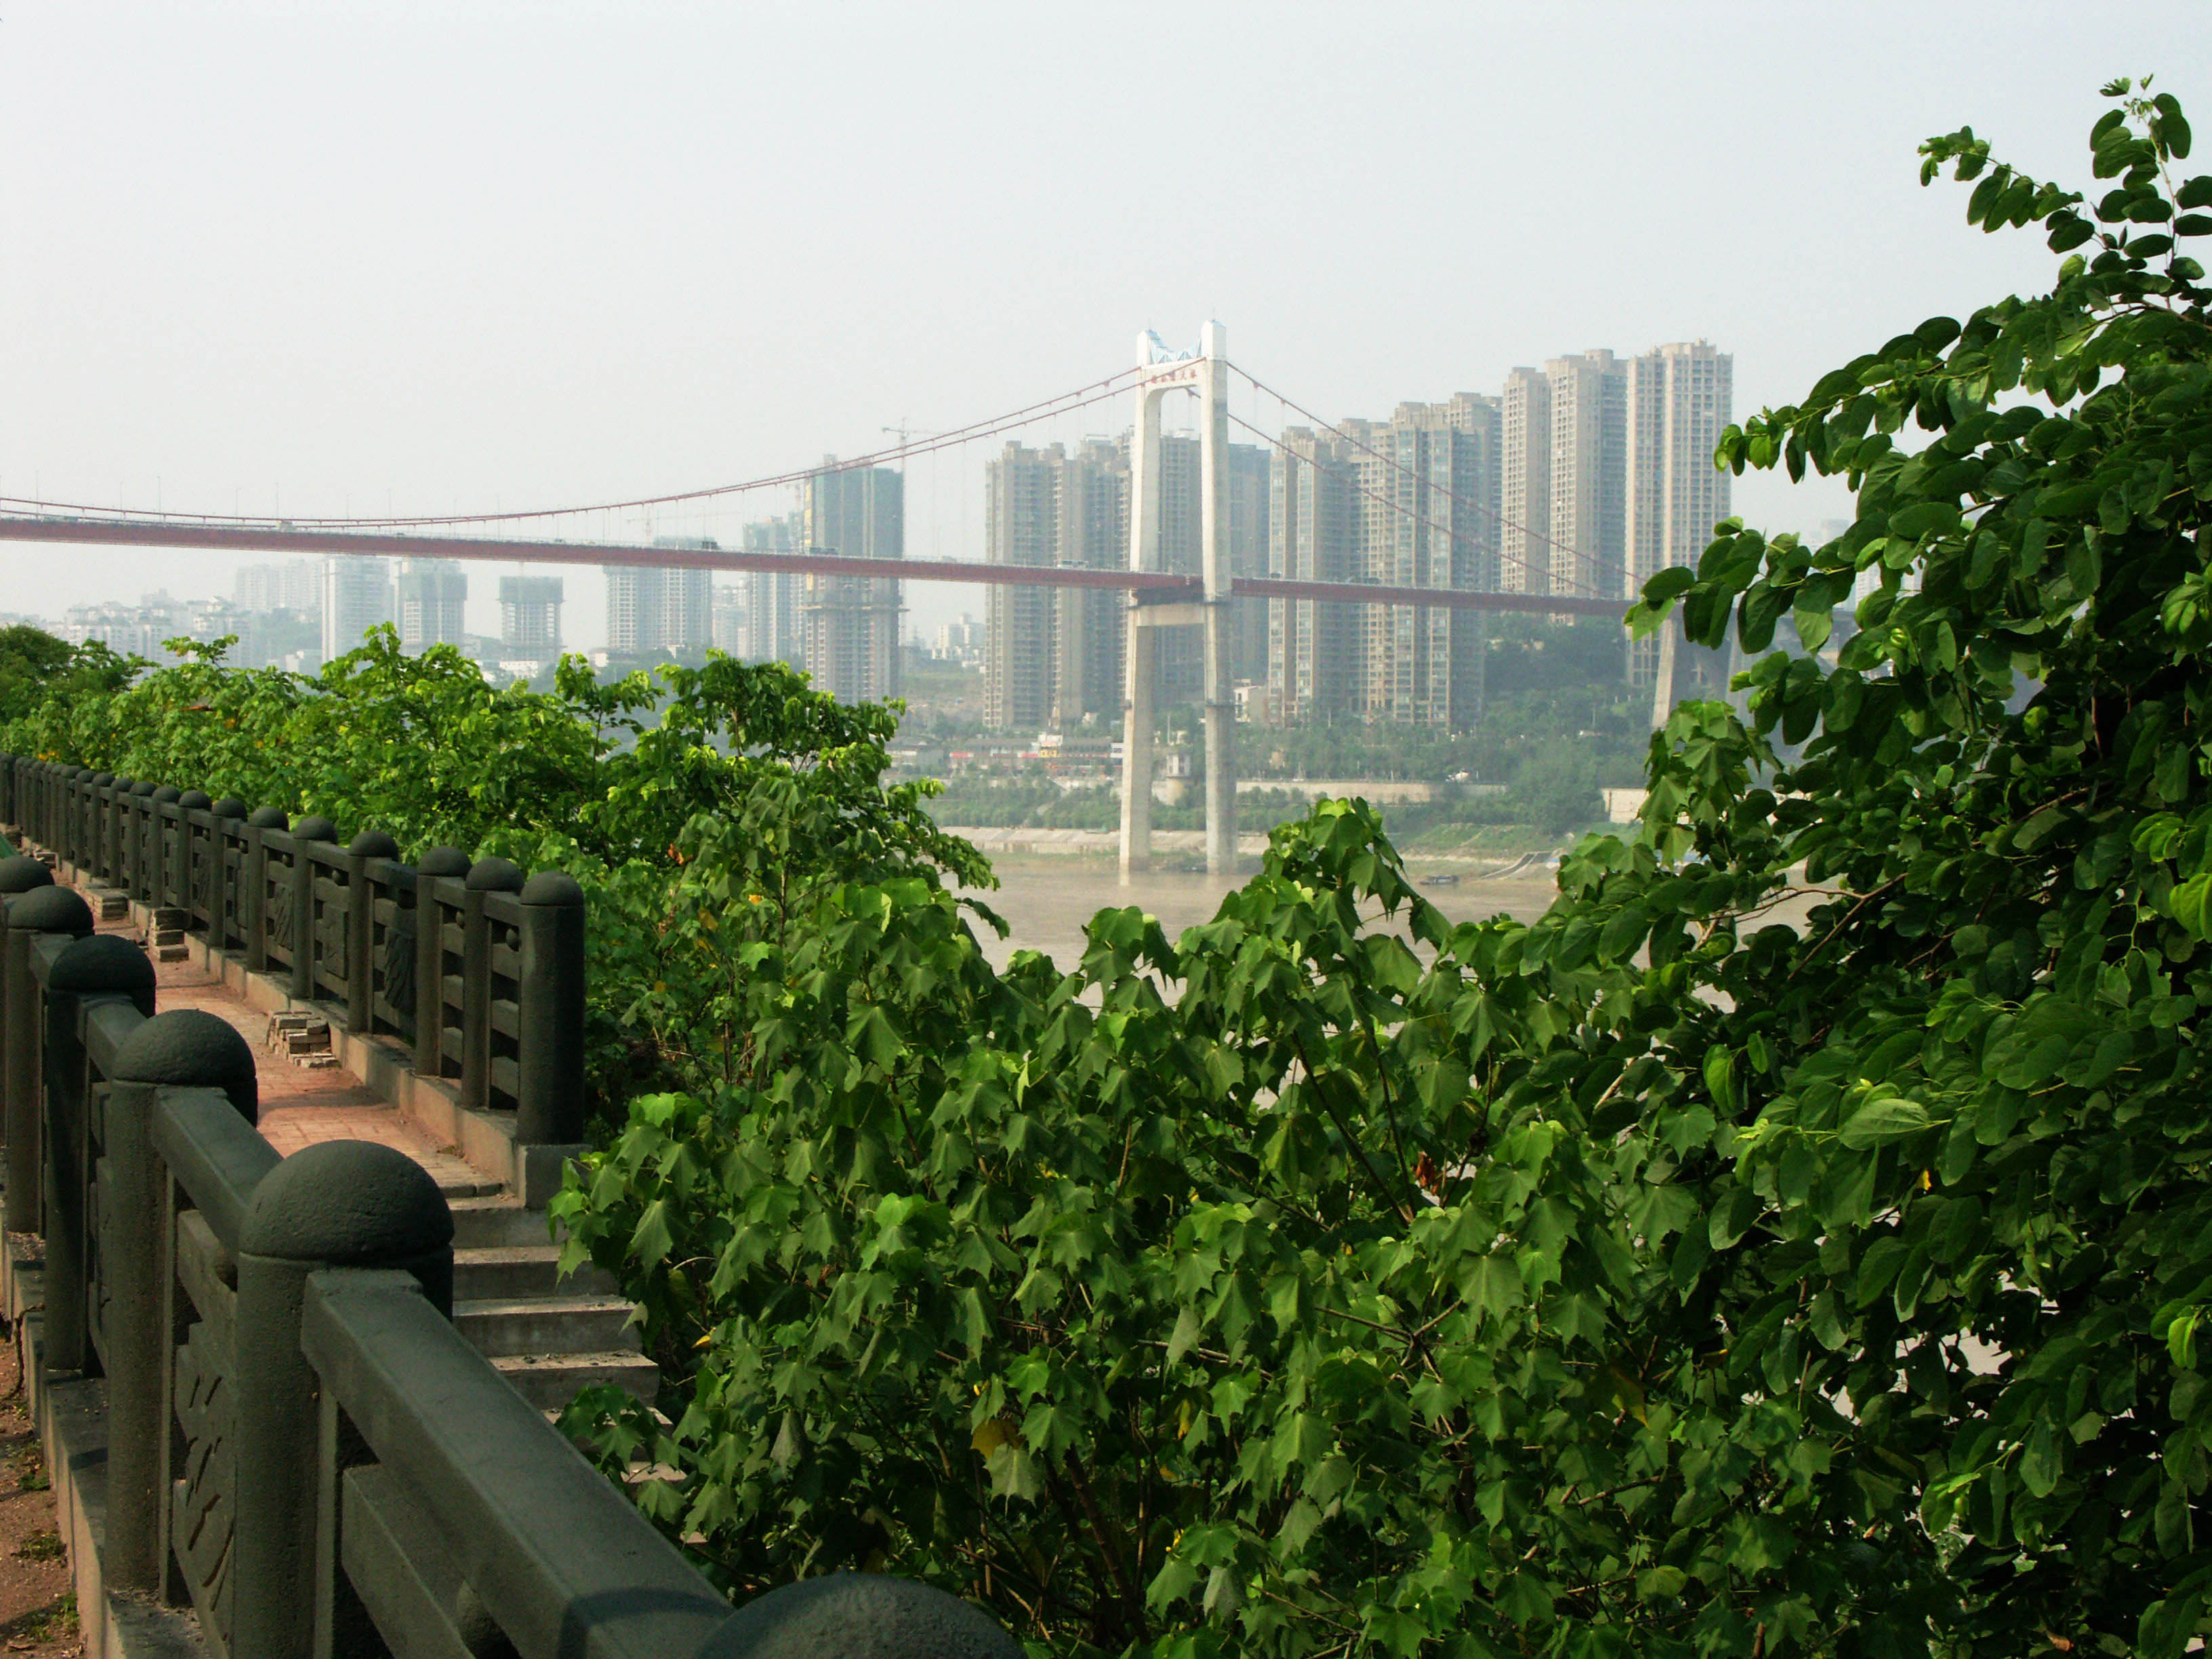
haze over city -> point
(336, 260)
(994, 832)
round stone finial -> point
(228, 807)
(126, 786)
(351, 1203)
(858, 1615)
(373, 844)
(21, 873)
(51, 910)
(191, 1047)
(555, 887)
(493, 876)
(195, 800)
(144, 786)
(101, 962)
(101, 780)
(442, 861)
(315, 828)
(166, 793)
(267, 818)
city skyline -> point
(320, 358)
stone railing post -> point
(188, 884)
(119, 834)
(303, 902)
(160, 877)
(186, 1047)
(100, 828)
(485, 876)
(226, 900)
(69, 843)
(58, 816)
(369, 847)
(254, 913)
(145, 844)
(43, 909)
(438, 863)
(84, 822)
(96, 968)
(336, 1204)
(549, 1013)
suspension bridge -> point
(1157, 597)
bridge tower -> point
(1206, 372)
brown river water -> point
(1046, 899)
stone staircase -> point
(549, 1336)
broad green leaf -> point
(1884, 1118)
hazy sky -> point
(468, 256)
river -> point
(1047, 899)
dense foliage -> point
(636, 788)
(1655, 1278)
(1652, 1279)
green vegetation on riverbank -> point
(1649, 1279)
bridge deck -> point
(282, 538)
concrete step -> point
(488, 1220)
(459, 1181)
(549, 1382)
(509, 1272)
(546, 1325)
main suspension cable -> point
(1029, 415)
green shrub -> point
(1652, 1279)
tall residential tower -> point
(849, 625)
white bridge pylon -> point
(1206, 372)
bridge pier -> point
(1205, 372)
(1137, 720)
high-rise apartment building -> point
(965, 642)
(771, 597)
(1053, 655)
(1410, 502)
(687, 600)
(1429, 520)
(295, 585)
(1584, 478)
(681, 601)
(1588, 472)
(730, 618)
(529, 617)
(687, 621)
(1090, 625)
(1525, 483)
(356, 597)
(1680, 400)
(431, 600)
(1313, 645)
(144, 629)
(849, 625)
(633, 610)
(656, 609)
(1249, 473)
(1020, 527)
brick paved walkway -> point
(301, 1105)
